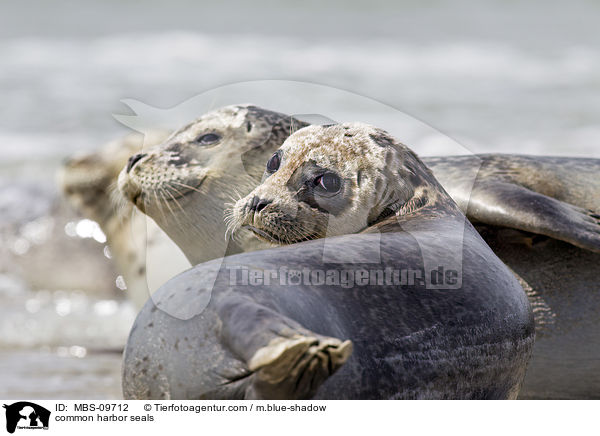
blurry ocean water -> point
(497, 76)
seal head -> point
(185, 183)
(88, 180)
(335, 180)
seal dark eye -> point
(330, 182)
(273, 163)
(208, 138)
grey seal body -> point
(380, 340)
(409, 342)
(557, 197)
(561, 281)
(527, 207)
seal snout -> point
(257, 204)
(251, 212)
(133, 160)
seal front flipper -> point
(508, 205)
(284, 360)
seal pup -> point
(88, 182)
(336, 180)
(409, 340)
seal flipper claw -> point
(296, 367)
(286, 361)
(514, 206)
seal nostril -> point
(133, 160)
(258, 204)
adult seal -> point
(211, 161)
(377, 339)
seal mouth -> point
(138, 200)
(264, 235)
(167, 194)
(267, 236)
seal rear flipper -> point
(508, 205)
(286, 361)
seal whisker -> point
(159, 202)
(184, 185)
(173, 214)
(166, 190)
(185, 213)
(228, 218)
(237, 194)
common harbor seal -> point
(206, 161)
(511, 195)
(88, 182)
(291, 340)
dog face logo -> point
(26, 415)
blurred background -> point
(499, 76)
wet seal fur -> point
(291, 340)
